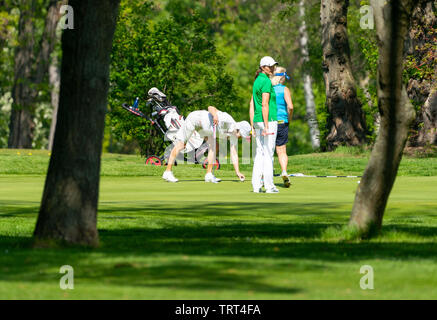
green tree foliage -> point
(8, 34)
(283, 39)
(206, 52)
(175, 54)
(364, 55)
(9, 17)
(421, 63)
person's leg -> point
(283, 161)
(269, 147)
(268, 163)
(211, 155)
(258, 164)
(209, 176)
(182, 136)
(168, 174)
(281, 142)
(179, 146)
(273, 127)
(281, 151)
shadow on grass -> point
(237, 210)
(231, 246)
(10, 208)
(266, 240)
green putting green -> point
(193, 240)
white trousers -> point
(265, 148)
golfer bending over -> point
(208, 124)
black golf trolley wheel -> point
(216, 164)
(154, 161)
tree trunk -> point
(54, 73)
(346, 119)
(68, 209)
(364, 83)
(31, 67)
(428, 133)
(55, 81)
(307, 83)
(21, 125)
(392, 21)
(421, 85)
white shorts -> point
(200, 121)
(185, 132)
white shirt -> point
(203, 123)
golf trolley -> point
(167, 120)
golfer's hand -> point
(241, 176)
(253, 132)
(215, 119)
(265, 132)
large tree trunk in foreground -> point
(69, 205)
(31, 67)
(392, 21)
(307, 82)
(346, 120)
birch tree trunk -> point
(392, 21)
(346, 119)
(68, 209)
(55, 82)
(307, 82)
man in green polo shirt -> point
(264, 126)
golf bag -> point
(167, 120)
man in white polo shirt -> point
(209, 124)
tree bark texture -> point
(307, 82)
(346, 120)
(55, 82)
(31, 67)
(21, 125)
(428, 133)
(421, 89)
(392, 22)
(68, 209)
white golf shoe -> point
(272, 190)
(168, 176)
(209, 177)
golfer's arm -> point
(265, 110)
(234, 158)
(287, 97)
(212, 110)
(251, 112)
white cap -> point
(244, 128)
(267, 61)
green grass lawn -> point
(193, 240)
